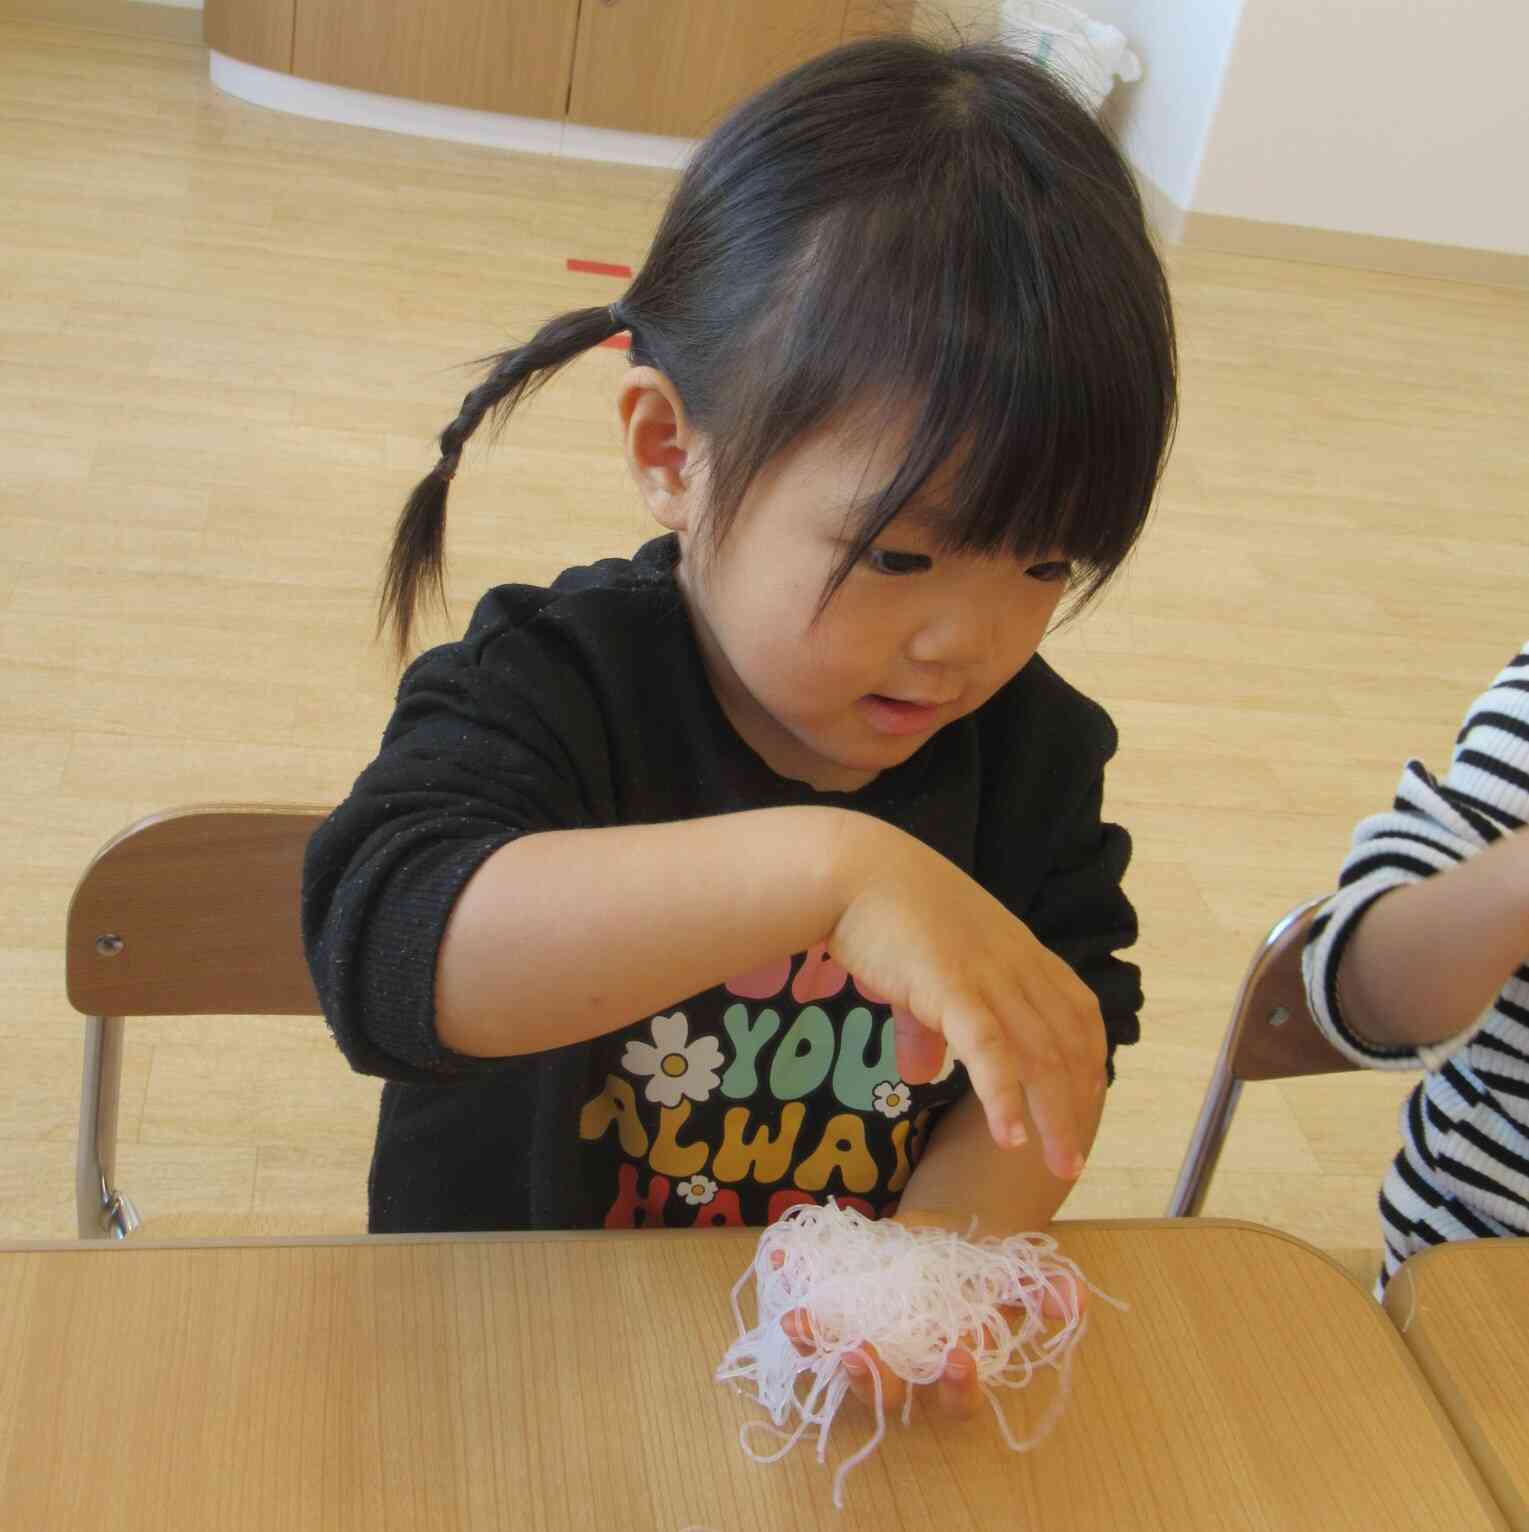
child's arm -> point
(962, 1173)
(1431, 917)
(564, 935)
(1426, 959)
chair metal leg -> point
(1205, 1145)
(102, 1211)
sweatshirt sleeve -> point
(1431, 826)
(491, 739)
(1082, 913)
(1048, 852)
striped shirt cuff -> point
(1331, 931)
(1431, 827)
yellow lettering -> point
(616, 1103)
(767, 1157)
(843, 1149)
(670, 1157)
(900, 1149)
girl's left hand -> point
(958, 1393)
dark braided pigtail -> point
(416, 562)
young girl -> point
(1421, 959)
(671, 883)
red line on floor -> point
(599, 268)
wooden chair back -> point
(194, 912)
(1273, 1036)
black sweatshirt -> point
(587, 705)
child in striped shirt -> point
(1421, 959)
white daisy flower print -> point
(698, 1190)
(892, 1098)
(675, 1067)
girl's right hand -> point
(950, 958)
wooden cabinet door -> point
(496, 55)
(252, 31)
(677, 66)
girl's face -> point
(913, 639)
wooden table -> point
(1461, 1310)
(565, 1382)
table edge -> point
(1061, 1229)
(1431, 1362)
(1457, 1250)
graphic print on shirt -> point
(750, 1098)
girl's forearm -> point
(1428, 958)
(568, 934)
(963, 1172)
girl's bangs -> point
(1034, 386)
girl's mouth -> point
(889, 715)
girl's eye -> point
(884, 561)
(1053, 573)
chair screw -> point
(1279, 1016)
(109, 946)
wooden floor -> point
(226, 340)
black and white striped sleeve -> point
(1431, 826)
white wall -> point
(1162, 120)
(1404, 118)
(1407, 119)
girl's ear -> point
(659, 446)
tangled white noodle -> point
(914, 1295)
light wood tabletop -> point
(1461, 1311)
(566, 1382)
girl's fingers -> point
(994, 1067)
(1051, 1092)
(1054, 1305)
(860, 1365)
(797, 1326)
(1008, 1074)
(957, 1390)
(920, 1052)
(1062, 1014)
(1054, 1112)
(1080, 1036)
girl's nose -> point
(958, 639)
